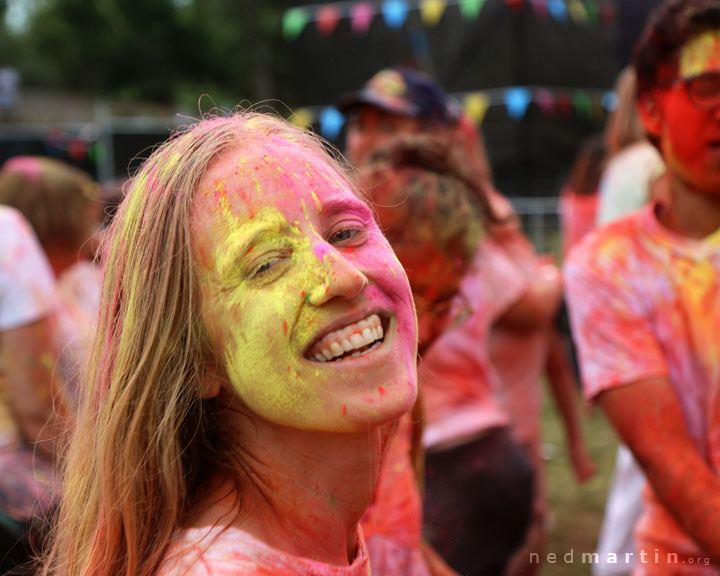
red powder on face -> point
(344, 410)
(381, 390)
(285, 327)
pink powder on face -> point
(320, 250)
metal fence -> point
(541, 221)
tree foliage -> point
(162, 50)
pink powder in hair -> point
(28, 165)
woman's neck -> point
(304, 492)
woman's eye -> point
(264, 267)
(344, 235)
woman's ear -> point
(650, 112)
(212, 380)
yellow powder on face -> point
(701, 54)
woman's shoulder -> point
(230, 551)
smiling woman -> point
(256, 333)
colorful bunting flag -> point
(361, 16)
(610, 101)
(581, 103)
(515, 5)
(517, 101)
(563, 103)
(331, 122)
(302, 117)
(476, 106)
(592, 104)
(470, 9)
(557, 9)
(395, 13)
(540, 7)
(327, 19)
(431, 11)
(545, 101)
(577, 11)
(294, 22)
(606, 13)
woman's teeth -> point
(353, 337)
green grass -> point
(575, 510)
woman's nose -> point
(339, 278)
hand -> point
(582, 462)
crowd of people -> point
(262, 357)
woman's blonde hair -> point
(52, 195)
(146, 444)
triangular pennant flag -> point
(545, 101)
(515, 5)
(476, 106)
(302, 117)
(610, 101)
(395, 13)
(431, 11)
(593, 11)
(326, 19)
(540, 7)
(597, 110)
(557, 9)
(361, 16)
(606, 13)
(581, 103)
(577, 11)
(563, 103)
(517, 101)
(470, 9)
(294, 23)
(331, 122)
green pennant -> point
(593, 9)
(294, 23)
(470, 9)
(581, 103)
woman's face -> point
(302, 295)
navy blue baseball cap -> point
(404, 92)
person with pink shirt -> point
(256, 340)
(429, 216)
(32, 411)
(644, 296)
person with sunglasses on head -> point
(644, 296)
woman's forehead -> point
(243, 182)
(272, 171)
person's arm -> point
(538, 305)
(32, 385)
(564, 388)
(648, 417)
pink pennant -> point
(545, 101)
(539, 7)
(361, 16)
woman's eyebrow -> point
(335, 206)
(241, 242)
